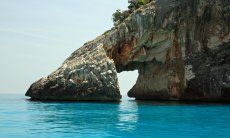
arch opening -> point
(127, 79)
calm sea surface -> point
(20, 117)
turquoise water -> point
(22, 118)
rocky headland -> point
(181, 49)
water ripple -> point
(22, 118)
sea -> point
(22, 118)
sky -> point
(36, 36)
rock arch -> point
(180, 48)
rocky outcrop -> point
(195, 62)
(181, 49)
(89, 75)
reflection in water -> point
(22, 118)
(128, 116)
(82, 118)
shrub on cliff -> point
(135, 4)
(120, 16)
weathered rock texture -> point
(181, 49)
(87, 75)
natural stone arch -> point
(169, 42)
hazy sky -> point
(36, 36)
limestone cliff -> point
(181, 49)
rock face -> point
(181, 49)
(87, 75)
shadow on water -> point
(177, 103)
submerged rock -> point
(181, 49)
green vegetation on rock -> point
(119, 16)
